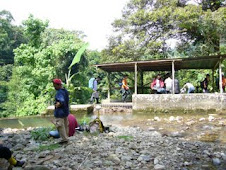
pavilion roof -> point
(205, 62)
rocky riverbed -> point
(126, 147)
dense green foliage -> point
(147, 28)
(10, 38)
(47, 54)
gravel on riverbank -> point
(123, 148)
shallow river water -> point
(198, 127)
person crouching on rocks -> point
(7, 154)
(72, 125)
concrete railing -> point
(203, 101)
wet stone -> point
(216, 161)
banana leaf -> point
(78, 55)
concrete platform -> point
(128, 105)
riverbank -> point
(126, 147)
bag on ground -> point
(96, 126)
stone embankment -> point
(123, 148)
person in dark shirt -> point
(61, 111)
(205, 83)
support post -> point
(213, 84)
(142, 81)
(109, 86)
(173, 76)
(135, 78)
(220, 77)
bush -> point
(41, 134)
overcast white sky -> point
(93, 17)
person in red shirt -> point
(157, 85)
(72, 124)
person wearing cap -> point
(61, 111)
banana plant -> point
(75, 60)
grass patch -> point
(125, 137)
(209, 137)
(48, 147)
(90, 134)
(41, 134)
(84, 120)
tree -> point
(33, 30)
(47, 55)
(146, 27)
(10, 38)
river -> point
(200, 127)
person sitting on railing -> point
(168, 83)
(204, 84)
(125, 88)
(157, 85)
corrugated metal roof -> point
(207, 62)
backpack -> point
(91, 82)
(96, 126)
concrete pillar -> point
(135, 78)
(109, 86)
(213, 84)
(173, 77)
(220, 77)
(142, 81)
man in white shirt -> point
(168, 83)
(190, 87)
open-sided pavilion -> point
(173, 64)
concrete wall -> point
(83, 109)
(179, 101)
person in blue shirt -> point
(95, 94)
(61, 111)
